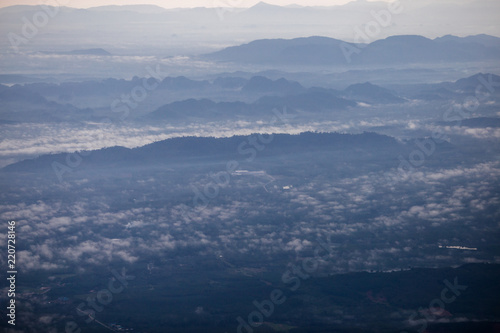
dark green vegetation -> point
(192, 294)
(208, 226)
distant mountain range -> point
(256, 96)
(164, 30)
(264, 85)
(462, 87)
(303, 51)
(37, 101)
(396, 50)
(470, 84)
(370, 93)
(18, 104)
(199, 108)
(280, 93)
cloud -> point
(358, 212)
(477, 133)
(30, 261)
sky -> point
(173, 3)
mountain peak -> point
(264, 6)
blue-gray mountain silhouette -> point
(407, 49)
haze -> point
(173, 3)
(250, 169)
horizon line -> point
(178, 4)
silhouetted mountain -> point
(230, 82)
(460, 88)
(299, 51)
(263, 7)
(262, 84)
(386, 52)
(112, 86)
(167, 27)
(482, 39)
(312, 100)
(370, 93)
(470, 84)
(203, 108)
(435, 93)
(178, 150)
(417, 49)
(19, 104)
(18, 93)
(98, 52)
(183, 83)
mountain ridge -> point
(191, 148)
(397, 49)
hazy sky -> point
(173, 3)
